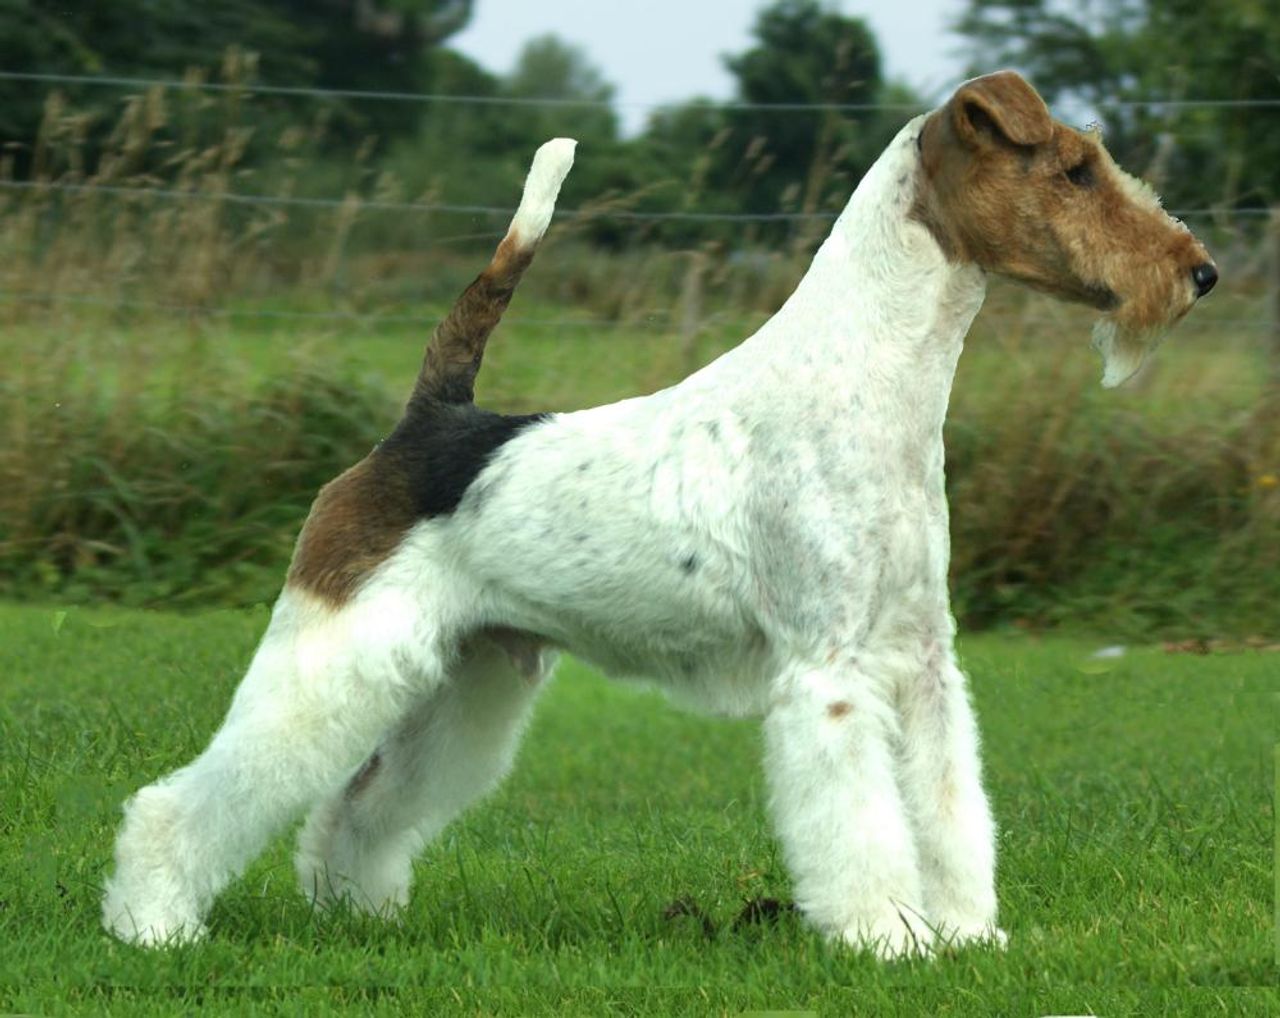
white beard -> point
(1123, 353)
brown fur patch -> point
(357, 520)
(839, 709)
(453, 355)
(1044, 204)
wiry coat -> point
(767, 537)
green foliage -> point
(367, 45)
(1065, 511)
(1134, 800)
(343, 44)
(1117, 51)
(479, 153)
(1080, 507)
(32, 38)
(702, 156)
(803, 53)
(119, 479)
(699, 158)
(195, 494)
(551, 69)
(707, 157)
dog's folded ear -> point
(1000, 108)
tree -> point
(471, 153)
(723, 158)
(804, 53)
(374, 45)
(347, 44)
(1115, 52)
(550, 68)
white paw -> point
(154, 930)
(326, 890)
(381, 891)
(896, 934)
(151, 899)
(975, 934)
(334, 865)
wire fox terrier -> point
(767, 537)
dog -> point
(767, 537)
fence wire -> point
(113, 81)
(447, 208)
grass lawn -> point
(1135, 803)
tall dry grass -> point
(1151, 511)
(149, 466)
(162, 212)
(164, 475)
(158, 448)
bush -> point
(171, 472)
(181, 485)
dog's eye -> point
(1081, 175)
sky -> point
(660, 51)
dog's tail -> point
(456, 347)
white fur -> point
(1122, 354)
(551, 164)
(451, 747)
(769, 536)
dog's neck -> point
(881, 315)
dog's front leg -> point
(942, 784)
(838, 811)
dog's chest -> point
(849, 509)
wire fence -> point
(122, 82)
(603, 213)
(196, 84)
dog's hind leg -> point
(322, 687)
(449, 749)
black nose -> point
(1205, 276)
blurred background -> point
(227, 229)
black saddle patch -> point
(439, 449)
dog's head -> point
(1005, 186)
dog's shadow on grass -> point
(444, 925)
(754, 914)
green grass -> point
(1135, 803)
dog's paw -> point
(895, 935)
(327, 891)
(376, 891)
(154, 930)
(972, 935)
(152, 899)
